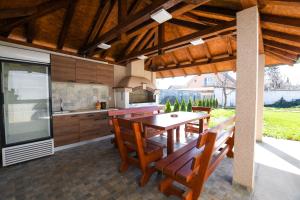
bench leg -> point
(146, 175)
(230, 143)
(168, 188)
(123, 167)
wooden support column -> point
(247, 96)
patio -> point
(90, 172)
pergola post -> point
(247, 96)
(260, 100)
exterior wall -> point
(164, 95)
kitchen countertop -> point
(77, 112)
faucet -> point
(61, 105)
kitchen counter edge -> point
(81, 112)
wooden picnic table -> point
(168, 123)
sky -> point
(293, 73)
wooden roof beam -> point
(184, 41)
(67, 22)
(30, 31)
(16, 12)
(286, 47)
(200, 63)
(282, 53)
(160, 38)
(203, 20)
(136, 41)
(292, 3)
(130, 23)
(40, 10)
(229, 47)
(222, 13)
(280, 58)
(280, 35)
(134, 6)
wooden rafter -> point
(200, 63)
(284, 21)
(144, 40)
(223, 14)
(17, 12)
(136, 41)
(40, 10)
(207, 51)
(67, 22)
(228, 45)
(184, 41)
(130, 23)
(160, 38)
(292, 3)
(134, 6)
(281, 59)
(286, 47)
(280, 35)
(30, 31)
(282, 53)
(203, 20)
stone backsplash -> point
(77, 96)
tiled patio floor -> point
(90, 172)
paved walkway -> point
(90, 172)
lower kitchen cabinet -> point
(70, 129)
(66, 129)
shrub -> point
(200, 103)
(168, 107)
(205, 102)
(176, 105)
(189, 106)
(183, 105)
(217, 103)
(211, 102)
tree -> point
(189, 106)
(217, 103)
(200, 103)
(223, 83)
(274, 79)
(183, 105)
(176, 105)
(168, 107)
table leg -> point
(178, 134)
(170, 141)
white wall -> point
(270, 96)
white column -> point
(260, 100)
(246, 97)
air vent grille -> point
(25, 152)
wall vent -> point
(25, 152)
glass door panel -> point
(26, 101)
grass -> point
(278, 123)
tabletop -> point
(167, 121)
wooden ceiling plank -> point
(284, 21)
(130, 23)
(41, 10)
(187, 24)
(174, 58)
(229, 46)
(67, 22)
(207, 51)
(186, 50)
(203, 20)
(135, 42)
(248, 3)
(144, 40)
(291, 3)
(286, 47)
(223, 13)
(17, 12)
(161, 38)
(201, 63)
(184, 41)
(281, 59)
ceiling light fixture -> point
(197, 41)
(104, 46)
(142, 57)
(161, 16)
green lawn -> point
(278, 123)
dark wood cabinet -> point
(63, 68)
(70, 129)
(105, 74)
(66, 129)
(86, 72)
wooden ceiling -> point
(77, 26)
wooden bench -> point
(131, 113)
(195, 162)
(193, 127)
(136, 150)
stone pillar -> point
(260, 100)
(246, 97)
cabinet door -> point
(62, 68)
(93, 125)
(105, 74)
(66, 129)
(86, 72)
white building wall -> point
(270, 96)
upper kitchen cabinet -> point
(86, 72)
(105, 74)
(63, 68)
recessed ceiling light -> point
(104, 46)
(161, 16)
(142, 57)
(197, 41)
